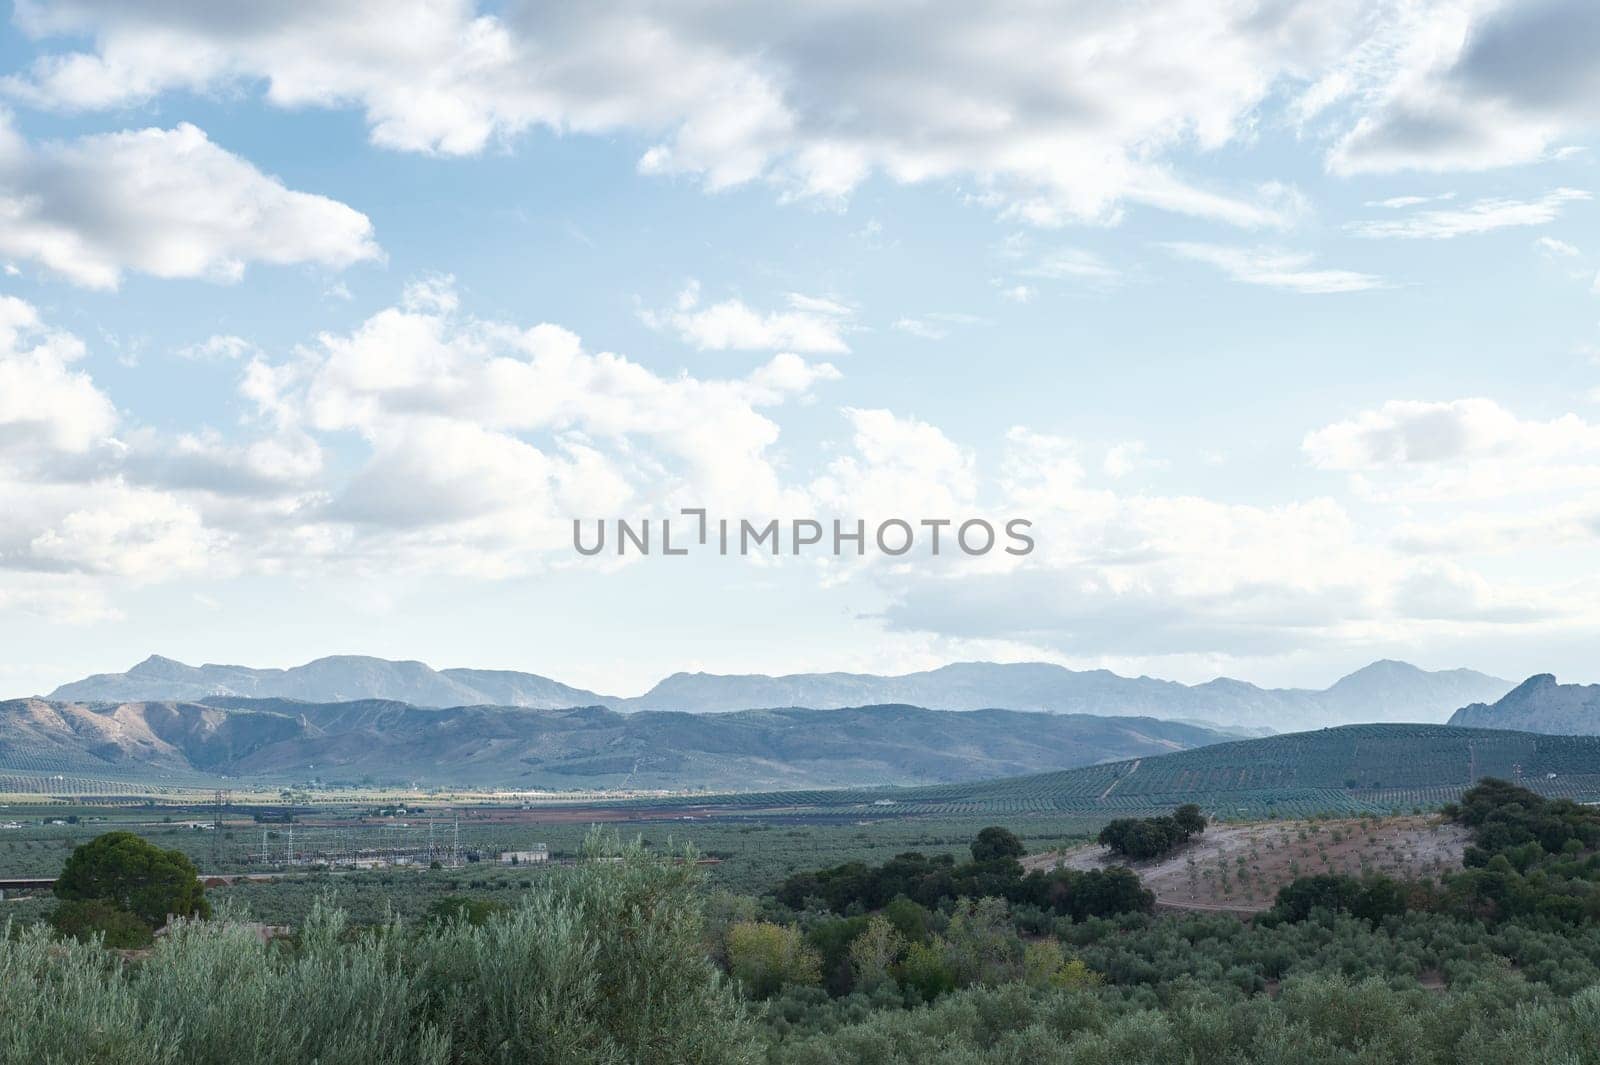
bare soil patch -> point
(1239, 868)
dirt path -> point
(1239, 868)
(1131, 771)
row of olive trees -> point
(600, 963)
(1325, 1019)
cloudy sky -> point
(320, 322)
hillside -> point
(1352, 768)
(1382, 691)
(391, 742)
(1539, 704)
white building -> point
(540, 853)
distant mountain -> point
(1539, 704)
(388, 742)
(1383, 691)
(337, 679)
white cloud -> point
(1480, 217)
(1395, 203)
(810, 324)
(47, 410)
(169, 203)
(1276, 268)
(71, 516)
(220, 347)
(1463, 93)
(1130, 456)
(485, 438)
(1467, 449)
(921, 328)
(1556, 248)
(1071, 264)
(1057, 114)
(1408, 432)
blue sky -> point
(1280, 322)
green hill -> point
(1351, 769)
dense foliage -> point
(954, 960)
(118, 879)
(601, 963)
(936, 882)
(1152, 837)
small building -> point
(540, 853)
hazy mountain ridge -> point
(386, 741)
(338, 678)
(1539, 704)
(1382, 691)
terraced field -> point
(1350, 770)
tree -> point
(474, 911)
(925, 970)
(1189, 818)
(765, 957)
(134, 875)
(874, 952)
(994, 843)
(82, 919)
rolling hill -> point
(1382, 691)
(1539, 704)
(1354, 768)
(390, 742)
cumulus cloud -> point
(809, 324)
(1480, 217)
(48, 410)
(1467, 449)
(1408, 432)
(1056, 114)
(169, 203)
(482, 440)
(71, 517)
(1275, 268)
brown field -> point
(1239, 868)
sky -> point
(321, 322)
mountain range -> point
(387, 742)
(1382, 691)
(1539, 704)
